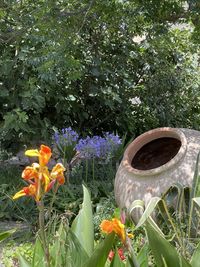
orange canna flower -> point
(119, 229)
(38, 176)
(44, 154)
(31, 172)
(27, 191)
(57, 173)
(114, 225)
(106, 226)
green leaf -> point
(23, 262)
(195, 193)
(83, 226)
(142, 256)
(100, 255)
(134, 207)
(38, 255)
(75, 255)
(6, 234)
(196, 257)
(163, 252)
(59, 249)
(148, 211)
(197, 200)
(196, 181)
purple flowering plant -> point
(99, 147)
(65, 141)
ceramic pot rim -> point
(147, 137)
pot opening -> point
(156, 153)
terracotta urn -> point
(154, 161)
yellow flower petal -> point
(46, 182)
(19, 194)
(119, 229)
(32, 153)
(130, 235)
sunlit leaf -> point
(83, 226)
(100, 255)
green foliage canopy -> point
(117, 65)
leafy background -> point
(79, 63)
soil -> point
(156, 153)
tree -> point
(80, 64)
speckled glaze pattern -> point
(132, 184)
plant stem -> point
(40, 205)
(132, 253)
(93, 169)
(86, 170)
(173, 225)
(67, 172)
(53, 200)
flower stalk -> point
(42, 234)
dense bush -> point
(80, 64)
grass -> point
(10, 174)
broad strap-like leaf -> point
(136, 209)
(83, 226)
(59, 249)
(142, 256)
(195, 260)
(197, 200)
(23, 262)
(175, 196)
(164, 253)
(195, 193)
(148, 211)
(100, 255)
(139, 204)
(38, 255)
(75, 255)
(6, 234)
